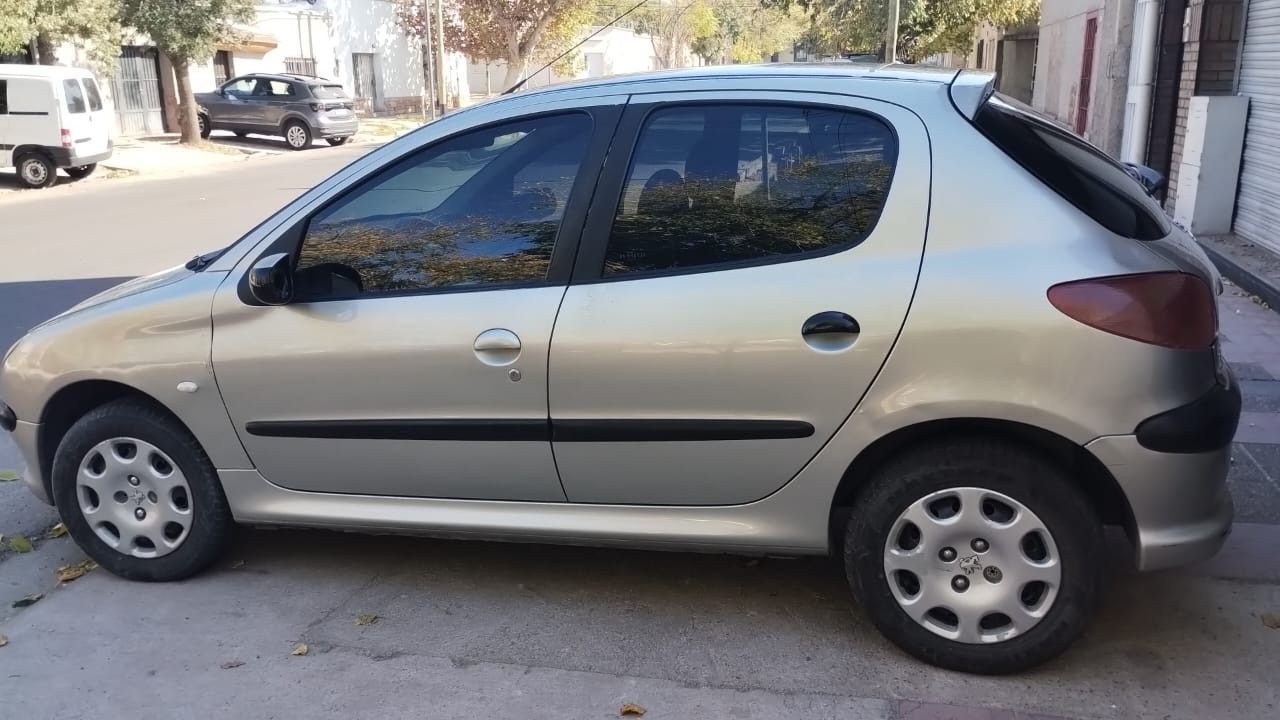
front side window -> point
(75, 96)
(91, 91)
(478, 210)
(240, 88)
(716, 184)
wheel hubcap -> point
(35, 172)
(297, 136)
(134, 497)
(972, 565)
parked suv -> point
(297, 107)
(878, 313)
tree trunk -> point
(188, 123)
(515, 71)
(44, 49)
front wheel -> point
(138, 494)
(297, 135)
(975, 556)
(81, 172)
(205, 126)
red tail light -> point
(1170, 309)
(66, 138)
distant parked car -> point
(50, 118)
(297, 107)
(873, 312)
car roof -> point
(292, 77)
(852, 70)
(43, 71)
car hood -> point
(128, 289)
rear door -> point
(6, 141)
(745, 270)
(76, 117)
(99, 121)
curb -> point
(1244, 278)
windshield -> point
(328, 92)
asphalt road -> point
(489, 630)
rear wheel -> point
(297, 135)
(81, 172)
(138, 494)
(975, 556)
(337, 141)
(36, 170)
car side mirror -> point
(271, 279)
(1151, 180)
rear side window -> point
(4, 97)
(75, 96)
(1083, 175)
(328, 92)
(711, 185)
(91, 91)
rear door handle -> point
(831, 322)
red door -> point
(1086, 74)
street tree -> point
(187, 31)
(93, 25)
(748, 32)
(519, 32)
(674, 25)
(927, 27)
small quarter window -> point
(75, 96)
(4, 97)
(711, 185)
(91, 91)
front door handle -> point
(497, 347)
(831, 322)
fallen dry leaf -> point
(4, 640)
(231, 664)
(366, 619)
(300, 649)
(67, 573)
(57, 531)
(631, 710)
(8, 475)
(237, 564)
(28, 601)
(19, 544)
(1271, 620)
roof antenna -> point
(604, 27)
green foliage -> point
(674, 26)
(188, 30)
(93, 25)
(926, 27)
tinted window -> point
(91, 91)
(275, 88)
(1082, 174)
(75, 96)
(721, 184)
(240, 88)
(481, 209)
(328, 92)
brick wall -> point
(1208, 66)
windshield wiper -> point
(201, 262)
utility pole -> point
(428, 68)
(441, 92)
(891, 34)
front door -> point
(233, 106)
(413, 361)
(744, 273)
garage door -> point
(1258, 201)
(135, 89)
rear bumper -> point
(338, 128)
(67, 157)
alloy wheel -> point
(134, 497)
(296, 136)
(972, 565)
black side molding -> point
(471, 429)
(1205, 424)
(676, 430)
(535, 430)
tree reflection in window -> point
(722, 184)
(476, 210)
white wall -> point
(620, 51)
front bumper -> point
(1181, 507)
(24, 436)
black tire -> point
(337, 141)
(241, 134)
(81, 172)
(36, 170)
(206, 126)
(297, 135)
(1040, 485)
(211, 522)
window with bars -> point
(300, 66)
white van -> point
(51, 117)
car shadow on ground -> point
(9, 181)
(256, 143)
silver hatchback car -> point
(879, 313)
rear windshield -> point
(1076, 170)
(91, 90)
(328, 92)
(75, 96)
